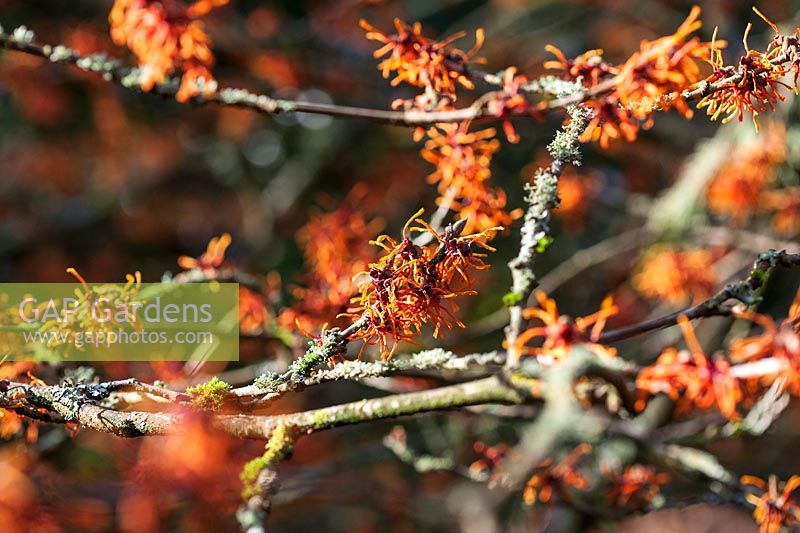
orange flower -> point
(212, 259)
(550, 478)
(776, 508)
(737, 189)
(413, 285)
(491, 458)
(589, 66)
(423, 62)
(335, 248)
(252, 312)
(753, 87)
(462, 159)
(735, 192)
(676, 276)
(636, 486)
(692, 379)
(10, 424)
(649, 80)
(777, 349)
(509, 101)
(653, 77)
(559, 333)
(610, 120)
(165, 37)
(786, 204)
(575, 194)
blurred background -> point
(109, 181)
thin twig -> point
(114, 71)
(744, 291)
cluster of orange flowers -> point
(741, 187)
(166, 37)
(773, 353)
(490, 460)
(423, 62)
(253, 313)
(776, 507)
(651, 79)
(676, 276)
(559, 333)
(636, 486)
(575, 195)
(412, 285)
(753, 85)
(335, 248)
(695, 380)
(439, 68)
(550, 477)
(738, 187)
(462, 159)
(785, 203)
(509, 101)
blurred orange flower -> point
(165, 36)
(776, 508)
(637, 486)
(676, 276)
(692, 379)
(737, 189)
(549, 478)
(462, 159)
(786, 205)
(335, 248)
(575, 194)
(509, 101)
(212, 259)
(778, 344)
(653, 77)
(491, 458)
(559, 333)
(252, 312)
(22, 504)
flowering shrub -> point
(537, 402)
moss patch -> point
(210, 395)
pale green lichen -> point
(355, 370)
(566, 144)
(210, 395)
(555, 86)
(23, 35)
(318, 351)
(61, 53)
(243, 97)
(267, 381)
